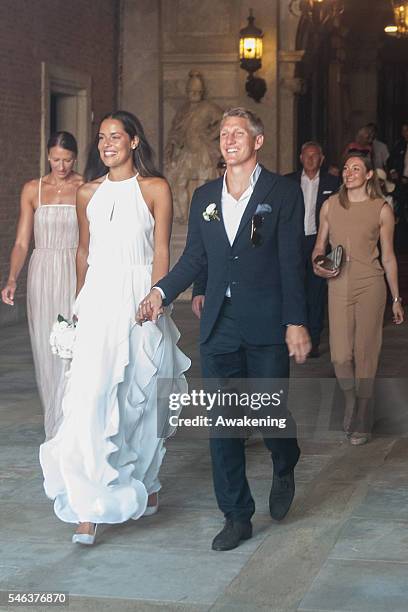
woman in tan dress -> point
(357, 218)
(48, 207)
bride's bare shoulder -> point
(86, 191)
(155, 185)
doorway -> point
(63, 112)
(314, 70)
(393, 89)
(66, 105)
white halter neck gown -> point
(105, 458)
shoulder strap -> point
(39, 192)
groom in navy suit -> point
(247, 229)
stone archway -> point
(313, 102)
(392, 88)
(346, 72)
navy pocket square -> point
(263, 208)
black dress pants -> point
(226, 356)
(316, 292)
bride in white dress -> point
(102, 465)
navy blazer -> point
(396, 160)
(328, 184)
(266, 281)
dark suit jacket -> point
(266, 281)
(328, 184)
(396, 160)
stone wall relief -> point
(192, 150)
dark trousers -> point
(316, 291)
(223, 356)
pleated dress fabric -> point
(51, 286)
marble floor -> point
(342, 547)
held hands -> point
(298, 342)
(150, 308)
(398, 312)
(7, 294)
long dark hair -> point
(142, 155)
(373, 188)
(65, 140)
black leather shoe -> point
(231, 535)
(281, 496)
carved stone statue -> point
(192, 150)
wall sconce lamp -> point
(400, 26)
(250, 55)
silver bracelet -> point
(397, 299)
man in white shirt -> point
(317, 185)
(379, 150)
(246, 230)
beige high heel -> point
(357, 439)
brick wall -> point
(79, 34)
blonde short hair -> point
(255, 122)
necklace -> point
(61, 186)
(59, 189)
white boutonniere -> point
(211, 213)
(62, 337)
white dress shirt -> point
(379, 153)
(232, 209)
(310, 188)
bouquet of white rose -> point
(62, 337)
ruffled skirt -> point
(105, 458)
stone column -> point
(289, 87)
(140, 85)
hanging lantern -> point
(250, 55)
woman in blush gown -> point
(103, 464)
(48, 207)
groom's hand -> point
(197, 305)
(150, 307)
(298, 342)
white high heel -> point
(84, 538)
(150, 510)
